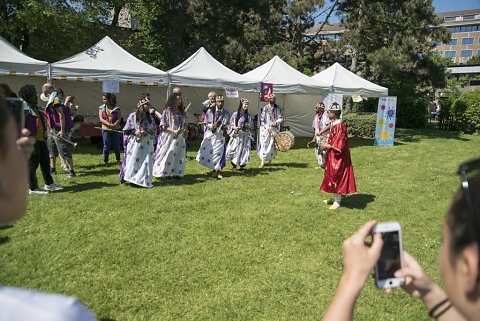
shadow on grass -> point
(416, 135)
(5, 227)
(107, 319)
(4, 239)
(357, 201)
(85, 187)
(294, 165)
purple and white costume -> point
(266, 147)
(319, 123)
(212, 150)
(240, 144)
(171, 152)
(138, 156)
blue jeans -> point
(110, 139)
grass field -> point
(255, 246)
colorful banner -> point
(266, 89)
(387, 111)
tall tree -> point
(392, 41)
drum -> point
(284, 141)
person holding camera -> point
(459, 261)
(35, 122)
(17, 303)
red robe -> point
(338, 176)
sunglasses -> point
(468, 170)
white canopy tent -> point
(18, 69)
(342, 81)
(296, 93)
(81, 76)
(201, 73)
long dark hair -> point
(140, 110)
(111, 98)
(171, 103)
(239, 114)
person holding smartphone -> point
(459, 263)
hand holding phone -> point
(391, 256)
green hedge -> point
(466, 112)
(360, 124)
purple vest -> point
(31, 119)
(114, 113)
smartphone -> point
(16, 106)
(391, 258)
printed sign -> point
(385, 130)
(111, 86)
(231, 92)
(266, 89)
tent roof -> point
(13, 61)
(342, 81)
(108, 61)
(286, 79)
(202, 70)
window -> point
(478, 52)
(452, 42)
(469, 17)
(439, 53)
(450, 54)
(466, 53)
(447, 19)
(467, 41)
(435, 43)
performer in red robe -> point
(338, 178)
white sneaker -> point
(38, 191)
(53, 187)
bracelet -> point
(443, 311)
(436, 306)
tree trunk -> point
(116, 14)
(355, 54)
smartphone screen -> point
(389, 261)
(16, 106)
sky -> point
(440, 6)
(452, 5)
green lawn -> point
(255, 246)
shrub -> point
(360, 124)
(466, 111)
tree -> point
(475, 60)
(390, 43)
(55, 29)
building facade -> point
(465, 39)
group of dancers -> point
(226, 138)
(148, 153)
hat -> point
(270, 96)
(142, 102)
(244, 101)
(335, 106)
(321, 105)
(220, 98)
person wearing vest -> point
(36, 124)
(109, 115)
